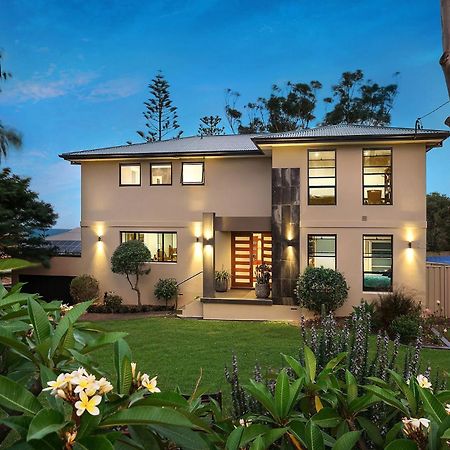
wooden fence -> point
(438, 288)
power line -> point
(418, 125)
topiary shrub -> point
(406, 327)
(395, 304)
(321, 290)
(84, 288)
(166, 289)
(112, 301)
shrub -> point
(392, 305)
(407, 327)
(84, 288)
(112, 301)
(263, 272)
(321, 289)
(166, 289)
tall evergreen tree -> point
(357, 101)
(8, 136)
(161, 116)
(210, 126)
(438, 222)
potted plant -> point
(262, 286)
(221, 279)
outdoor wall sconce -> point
(99, 239)
(409, 244)
(197, 239)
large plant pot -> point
(221, 286)
(262, 290)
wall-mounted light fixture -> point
(99, 239)
(409, 244)
(208, 241)
(197, 239)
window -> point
(377, 177)
(130, 175)
(321, 177)
(161, 174)
(377, 263)
(162, 246)
(322, 250)
(193, 173)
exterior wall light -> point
(99, 239)
(409, 244)
(197, 239)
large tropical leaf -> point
(17, 423)
(327, 418)
(282, 392)
(260, 392)
(96, 443)
(45, 422)
(313, 437)
(184, 437)
(388, 397)
(347, 441)
(14, 396)
(432, 405)
(39, 320)
(122, 364)
(310, 363)
(401, 444)
(11, 341)
(104, 339)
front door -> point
(247, 251)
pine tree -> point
(161, 116)
(209, 126)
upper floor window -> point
(321, 177)
(322, 250)
(130, 175)
(161, 174)
(377, 177)
(162, 246)
(377, 263)
(193, 173)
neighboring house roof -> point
(66, 235)
(247, 144)
(67, 243)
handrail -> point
(190, 278)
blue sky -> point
(81, 69)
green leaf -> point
(327, 418)
(122, 364)
(295, 365)
(311, 363)
(63, 326)
(272, 435)
(372, 431)
(352, 386)
(361, 403)
(394, 432)
(14, 396)
(347, 441)
(235, 438)
(432, 405)
(263, 395)
(88, 423)
(15, 264)
(168, 399)
(313, 437)
(46, 421)
(104, 339)
(147, 415)
(10, 340)
(333, 363)
(143, 437)
(96, 443)
(39, 320)
(388, 397)
(407, 392)
(185, 438)
(401, 444)
(282, 392)
(17, 423)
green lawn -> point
(176, 349)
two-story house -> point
(347, 197)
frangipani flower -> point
(59, 383)
(150, 385)
(423, 382)
(447, 408)
(104, 386)
(416, 423)
(133, 370)
(88, 404)
(87, 384)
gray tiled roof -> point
(188, 146)
(335, 131)
(245, 144)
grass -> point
(176, 350)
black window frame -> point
(323, 187)
(183, 163)
(364, 186)
(384, 236)
(129, 165)
(152, 232)
(310, 255)
(161, 164)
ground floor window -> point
(162, 246)
(322, 250)
(377, 263)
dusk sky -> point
(81, 69)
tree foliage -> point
(354, 100)
(129, 259)
(8, 136)
(438, 222)
(160, 114)
(24, 218)
(210, 126)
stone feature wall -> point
(285, 233)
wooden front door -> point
(247, 251)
